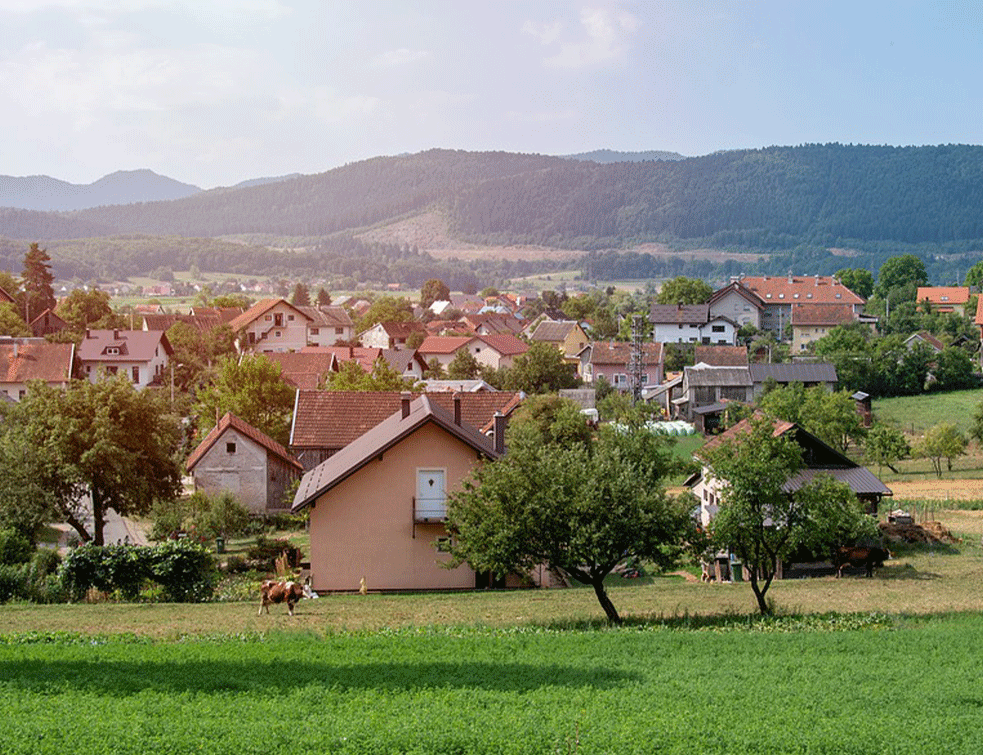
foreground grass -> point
(836, 686)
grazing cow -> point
(283, 592)
(868, 557)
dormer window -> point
(781, 296)
(112, 351)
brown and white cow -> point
(868, 557)
(283, 592)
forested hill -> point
(773, 198)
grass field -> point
(888, 664)
(916, 414)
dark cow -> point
(868, 557)
(283, 592)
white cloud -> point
(398, 58)
(604, 39)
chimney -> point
(817, 279)
(405, 398)
(115, 335)
(457, 408)
(16, 350)
(499, 432)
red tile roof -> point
(333, 419)
(619, 352)
(381, 437)
(303, 369)
(781, 289)
(505, 344)
(232, 421)
(822, 314)
(721, 356)
(259, 309)
(944, 295)
(444, 344)
(50, 362)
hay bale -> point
(927, 532)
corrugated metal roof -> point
(699, 377)
(859, 479)
(795, 372)
(683, 314)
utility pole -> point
(636, 360)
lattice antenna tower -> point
(636, 361)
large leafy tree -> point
(540, 370)
(254, 390)
(858, 279)
(464, 366)
(682, 290)
(103, 443)
(885, 445)
(763, 517)
(39, 293)
(434, 290)
(900, 276)
(353, 377)
(83, 309)
(582, 509)
(11, 323)
(942, 441)
(386, 309)
(830, 416)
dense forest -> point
(794, 203)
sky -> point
(214, 92)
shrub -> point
(12, 582)
(15, 548)
(224, 516)
(266, 551)
(186, 571)
(168, 518)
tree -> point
(974, 276)
(83, 309)
(435, 370)
(11, 323)
(953, 369)
(232, 301)
(885, 445)
(39, 294)
(541, 370)
(857, 279)
(434, 290)
(301, 297)
(762, 518)
(833, 418)
(581, 509)
(104, 440)
(352, 377)
(386, 309)
(682, 290)
(254, 390)
(464, 366)
(904, 272)
(323, 298)
(943, 441)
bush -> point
(168, 518)
(263, 555)
(185, 571)
(207, 516)
(12, 582)
(223, 516)
(15, 548)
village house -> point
(47, 323)
(610, 360)
(809, 374)
(691, 323)
(737, 303)
(944, 298)
(23, 360)
(566, 335)
(270, 325)
(720, 356)
(328, 325)
(810, 322)
(378, 506)
(926, 338)
(405, 362)
(706, 391)
(777, 294)
(237, 458)
(391, 335)
(304, 369)
(141, 355)
(324, 422)
(494, 351)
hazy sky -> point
(212, 92)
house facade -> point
(327, 325)
(944, 298)
(810, 322)
(565, 335)
(237, 458)
(391, 335)
(271, 325)
(737, 303)
(378, 506)
(610, 360)
(141, 355)
(778, 294)
(691, 323)
(810, 374)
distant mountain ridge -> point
(47, 194)
(611, 156)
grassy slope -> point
(916, 414)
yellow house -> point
(378, 506)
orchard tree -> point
(11, 323)
(39, 293)
(763, 516)
(943, 441)
(83, 309)
(886, 445)
(582, 509)
(104, 441)
(254, 390)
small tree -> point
(885, 445)
(762, 517)
(464, 366)
(301, 296)
(434, 290)
(944, 441)
(582, 509)
(541, 370)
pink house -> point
(378, 506)
(609, 359)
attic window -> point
(839, 296)
(808, 296)
(230, 447)
(781, 296)
(767, 296)
(795, 296)
(944, 298)
(112, 351)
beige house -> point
(271, 325)
(810, 322)
(142, 355)
(566, 335)
(944, 298)
(378, 506)
(238, 458)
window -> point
(136, 374)
(278, 319)
(230, 447)
(315, 331)
(112, 351)
(339, 331)
(718, 329)
(431, 494)
(290, 318)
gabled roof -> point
(943, 295)
(47, 322)
(444, 344)
(818, 457)
(553, 331)
(231, 421)
(738, 288)
(200, 322)
(925, 337)
(781, 289)
(5, 297)
(304, 369)
(721, 356)
(822, 314)
(619, 352)
(493, 322)
(679, 314)
(259, 309)
(333, 419)
(32, 359)
(328, 316)
(697, 376)
(122, 345)
(383, 436)
(400, 330)
(795, 372)
(505, 344)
